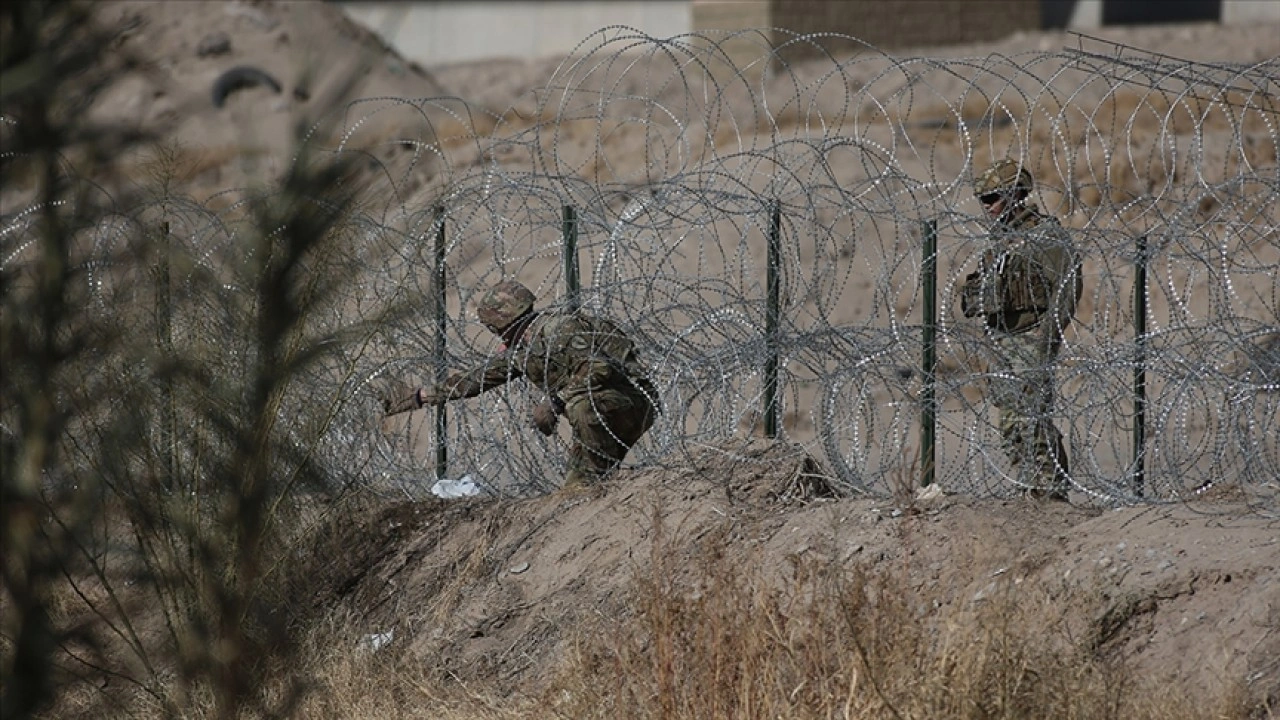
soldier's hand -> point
(545, 417)
(402, 401)
(971, 294)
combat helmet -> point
(505, 303)
(1004, 176)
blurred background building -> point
(434, 32)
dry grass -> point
(851, 643)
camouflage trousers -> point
(1021, 386)
(605, 423)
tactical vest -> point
(1021, 280)
(570, 349)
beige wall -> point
(887, 24)
(909, 23)
(453, 31)
(719, 18)
(448, 31)
(906, 23)
(731, 14)
(1241, 12)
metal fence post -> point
(928, 415)
(1138, 479)
(438, 278)
(773, 290)
(572, 282)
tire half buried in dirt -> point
(238, 78)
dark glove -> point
(403, 401)
(545, 417)
(971, 295)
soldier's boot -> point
(1049, 484)
(574, 480)
(1053, 483)
(1053, 493)
(1049, 480)
(589, 465)
(580, 482)
(1035, 471)
(1061, 473)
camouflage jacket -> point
(567, 354)
(1030, 277)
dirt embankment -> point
(495, 591)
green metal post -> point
(1140, 368)
(773, 290)
(572, 282)
(442, 418)
(928, 415)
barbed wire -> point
(673, 153)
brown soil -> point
(493, 590)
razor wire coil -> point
(672, 153)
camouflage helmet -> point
(505, 303)
(1003, 176)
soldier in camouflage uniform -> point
(1025, 289)
(585, 364)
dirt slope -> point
(494, 589)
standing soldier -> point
(585, 364)
(1026, 289)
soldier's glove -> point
(971, 295)
(405, 401)
(545, 417)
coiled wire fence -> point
(645, 180)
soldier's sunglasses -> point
(990, 198)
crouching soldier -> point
(587, 367)
(1025, 290)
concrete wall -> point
(717, 19)
(909, 23)
(1243, 12)
(453, 31)
(1074, 14)
(731, 14)
(886, 24)
(435, 32)
(1090, 14)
